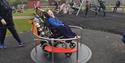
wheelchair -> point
(51, 41)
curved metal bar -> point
(57, 39)
(77, 37)
(76, 27)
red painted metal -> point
(49, 48)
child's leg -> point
(67, 32)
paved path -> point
(22, 17)
(106, 47)
(114, 23)
(14, 54)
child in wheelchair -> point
(58, 29)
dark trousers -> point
(86, 11)
(103, 10)
(67, 32)
(115, 9)
(3, 31)
(123, 38)
(64, 31)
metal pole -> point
(35, 46)
(77, 54)
(81, 37)
(36, 43)
(80, 8)
(52, 41)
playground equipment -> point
(50, 50)
(95, 6)
(75, 6)
(47, 44)
(19, 8)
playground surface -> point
(99, 36)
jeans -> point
(3, 31)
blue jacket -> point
(63, 29)
(54, 22)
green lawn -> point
(21, 25)
(27, 12)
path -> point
(106, 47)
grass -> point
(21, 25)
(27, 12)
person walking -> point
(6, 22)
(118, 3)
(87, 7)
(102, 7)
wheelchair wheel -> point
(72, 45)
(64, 45)
(60, 44)
(68, 54)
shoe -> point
(21, 44)
(2, 46)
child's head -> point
(50, 13)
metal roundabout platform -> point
(80, 53)
(84, 55)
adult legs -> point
(96, 10)
(99, 9)
(104, 13)
(14, 33)
(2, 35)
(86, 11)
(115, 9)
